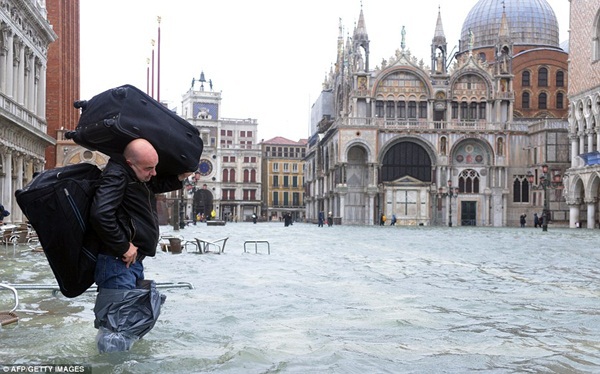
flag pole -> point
(158, 67)
(152, 92)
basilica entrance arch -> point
(406, 176)
(356, 199)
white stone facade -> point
(582, 185)
(440, 145)
(230, 165)
(25, 35)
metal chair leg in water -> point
(9, 317)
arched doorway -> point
(406, 178)
(203, 202)
(356, 199)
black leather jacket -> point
(124, 209)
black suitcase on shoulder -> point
(111, 119)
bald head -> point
(142, 158)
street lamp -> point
(451, 193)
(544, 184)
(182, 209)
(187, 185)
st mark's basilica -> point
(460, 139)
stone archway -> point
(406, 175)
(203, 202)
(357, 173)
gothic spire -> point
(360, 32)
(340, 48)
(439, 47)
(439, 37)
(360, 43)
(504, 33)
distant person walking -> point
(522, 220)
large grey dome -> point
(531, 22)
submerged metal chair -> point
(9, 317)
(7, 235)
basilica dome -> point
(531, 22)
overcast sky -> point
(268, 57)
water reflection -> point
(340, 300)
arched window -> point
(525, 79)
(543, 77)
(225, 175)
(232, 175)
(482, 110)
(520, 189)
(468, 181)
(422, 109)
(473, 111)
(379, 109)
(560, 101)
(525, 100)
(464, 111)
(543, 101)
(401, 110)
(389, 109)
(253, 176)
(246, 176)
(560, 78)
(454, 110)
(406, 159)
(412, 109)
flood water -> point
(339, 299)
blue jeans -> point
(112, 272)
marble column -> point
(3, 54)
(16, 212)
(10, 57)
(591, 213)
(590, 141)
(20, 77)
(574, 152)
(573, 215)
(7, 191)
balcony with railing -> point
(419, 124)
(19, 115)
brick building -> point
(62, 78)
